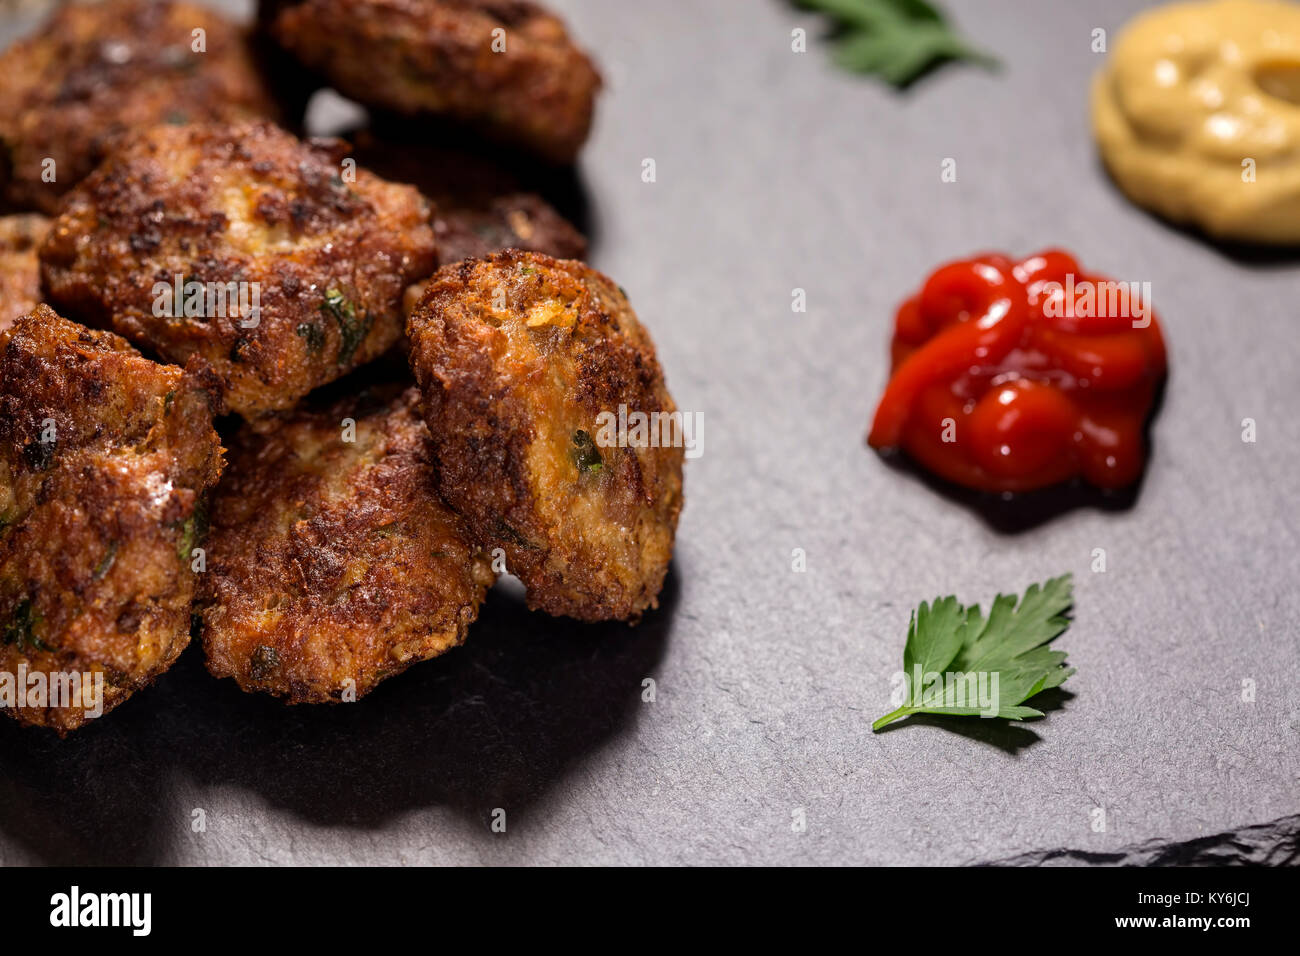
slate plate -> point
(776, 172)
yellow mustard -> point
(1197, 115)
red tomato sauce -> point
(1013, 376)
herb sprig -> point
(896, 39)
(1006, 651)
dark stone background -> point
(776, 171)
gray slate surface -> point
(775, 171)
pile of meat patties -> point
(409, 380)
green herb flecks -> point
(106, 562)
(352, 330)
(953, 652)
(21, 628)
(896, 39)
(585, 454)
(193, 530)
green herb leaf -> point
(960, 663)
(21, 628)
(585, 454)
(193, 530)
(896, 39)
(106, 562)
(352, 330)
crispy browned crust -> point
(20, 271)
(334, 565)
(506, 392)
(98, 525)
(95, 72)
(251, 204)
(436, 56)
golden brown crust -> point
(106, 459)
(518, 355)
(438, 57)
(20, 271)
(253, 207)
(95, 72)
(334, 561)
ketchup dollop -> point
(1012, 376)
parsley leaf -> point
(961, 663)
(897, 39)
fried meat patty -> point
(521, 359)
(300, 270)
(20, 270)
(97, 71)
(480, 207)
(535, 88)
(334, 563)
(106, 459)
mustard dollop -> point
(1197, 115)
